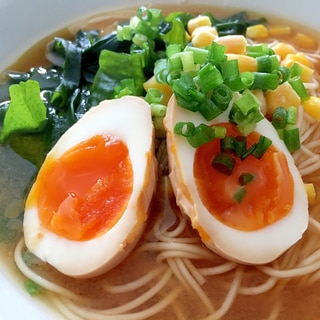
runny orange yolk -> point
(85, 192)
(268, 198)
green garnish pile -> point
(44, 102)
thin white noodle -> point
(133, 285)
(177, 254)
(276, 308)
(264, 287)
(290, 273)
(194, 285)
(181, 272)
(310, 170)
(220, 269)
(314, 224)
(61, 306)
(190, 248)
(143, 297)
(311, 259)
(139, 315)
(174, 233)
(40, 280)
(231, 296)
(194, 271)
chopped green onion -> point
(224, 163)
(124, 33)
(175, 66)
(261, 147)
(280, 118)
(199, 54)
(208, 78)
(143, 27)
(265, 81)
(284, 122)
(258, 149)
(139, 39)
(173, 49)
(221, 96)
(185, 129)
(240, 194)
(291, 138)
(159, 129)
(158, 110)
(161, 71)
(267, 63)
(258, 50)
(154, 95)
(291, 115)
(219, 131)
(202, 134)
(216, 54)
(235, 80)
(236, 145)
(247, 79)
(208, 109)
(187, 60)
(295, 70)
(198, 135)
(245, 178)
(230, 70)
(32, 288)
(298, 86)
(245, 112)
(283, 73)
(177, 34)
(227, 144)
(240, 145)
(185, 92)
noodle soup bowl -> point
(24, 25)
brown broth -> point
(300, 302)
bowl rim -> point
(36, 22)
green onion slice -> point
(280, 118)
(240, 194)
(245, 178)
(224, 163)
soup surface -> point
(170, 274)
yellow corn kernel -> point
(258, 31)
(305, 41)
(245, 63)
(165, 88)
(203, 36)
(312, 107)
(300, 57)
(307, 73)
(283, 49)
(197, 22)
(311, 192)
(278, 31)
(236, 44)
(283, 96)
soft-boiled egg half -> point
(88, 206)
(274, 211)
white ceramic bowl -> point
(23, 23)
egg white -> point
(249, 247)
(130, 120)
